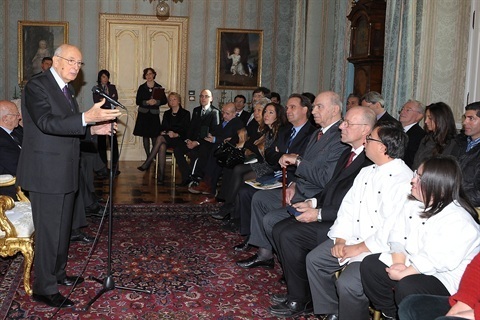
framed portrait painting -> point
(239, 59)
(37, 40)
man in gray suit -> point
(49, 165)
(313, 172)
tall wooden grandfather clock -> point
(366, 44)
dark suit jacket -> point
(210, 120)
(49, 161)
(415, 135)
(229, 131)
(332, 195)
(387, 117)
(244, 116)
(9, 153)
(297, 146)
(112, 92)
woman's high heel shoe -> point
(143, 167)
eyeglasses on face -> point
(13, 114)
(369, 138)
(408, 110)
(204, 96)
(347, 123)
(72, 62)
(417, 175)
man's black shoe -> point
(330, 317)
(53, 300)
(290, 309)
(221, 215)
(278, 298)
(81, 237)
(243, 247)
(70, 281)
(95, 210)
(254, 262)
(231, 226)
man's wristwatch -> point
(319, 216)
(298, 160)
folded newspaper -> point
(266, 182)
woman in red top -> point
(465, 304)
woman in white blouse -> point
(432, 243)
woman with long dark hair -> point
(175, 123)
(432, 243)
(441, 132)
(150, 96)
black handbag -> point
(228, 155)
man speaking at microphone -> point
(49, 166)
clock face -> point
(360, 47)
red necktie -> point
(350, 159)
(320, 134)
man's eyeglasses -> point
(14, 114)
(347, 123)
(369, 138)
(72, 62)
(408, 110)
(204, 96)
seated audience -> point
(465, 304)
(469, 142)
(434, 240)
(375, 101)
(366, 215)
(226, 131)
(313, 170)
(204, 118)
(296, 236)
(175, 123)
(411, 113)
(441, 132)
(292, 138)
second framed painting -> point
(239, 59)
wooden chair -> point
(16, 234)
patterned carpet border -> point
(165, 209)
(10, 283)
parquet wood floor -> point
(136, 187)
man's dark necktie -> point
(350, 159)
(67, 95)
(319, 135)
(16, 140)
(290, 140)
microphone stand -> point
(108, 282)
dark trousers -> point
(243, 208)
(385, 294)
(202, 153)
(102, 149)
(52, 218)
(424, 307)
(293, 240)
(233, 180)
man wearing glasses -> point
(49, 166)
(205, 118)
(410, 115)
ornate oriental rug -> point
(177, 252)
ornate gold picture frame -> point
(37, 40)
(238, 59)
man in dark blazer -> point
(49, 166)
(375, 101)
(313, 170)
(10, 142)
(204, 119)
(239, 102)
(226, 130)
(298, 112)
(295, 237)
(412, 112)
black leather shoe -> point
(220, 216)
(81, 237)
(70, 281)
(278, 298)
(289, 309)
(243, 247)
(231, 225)
(53, 300)
(254, 262)
(328, 317)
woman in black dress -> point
(149, 101)
(175, 125)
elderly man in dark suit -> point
(204, 119)
(49, 166)
(375, 101)
(296, 236)
(313, 170)
(410, 115)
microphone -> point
(97, 90)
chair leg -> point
(27, 266)
(174, 168)
(377, 315)
(156, 166)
